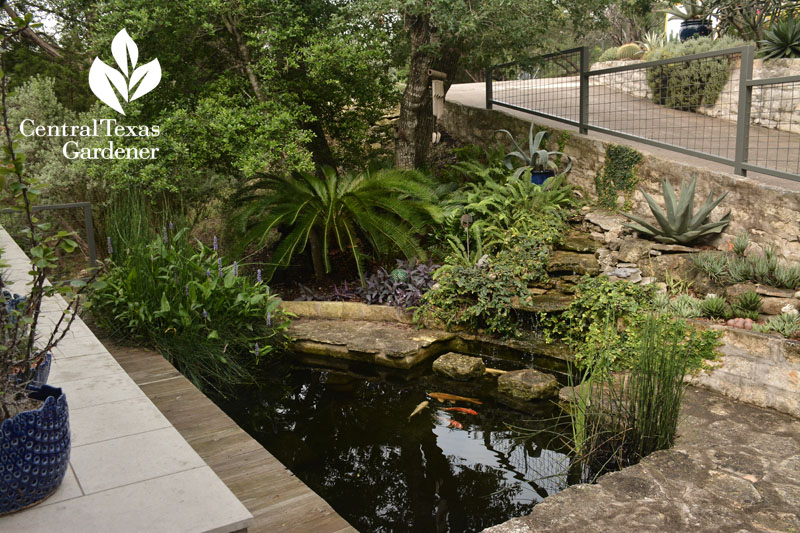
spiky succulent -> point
(715, 307)
(787, 324)
(782, 39)
(713, 263)
(629, 51)
(747, 305)
(678, 225)
(685, 306)
(740, 244)
(537, 159)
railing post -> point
(87, 214)
(489, 87)
(583, 113)
(743, 114)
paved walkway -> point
(620, 111)
(734, 468)
(278, 500)
(130, 469)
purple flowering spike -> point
(205, 314)
(219, 266)
(216, 244)
(171, 226)
(269, 320)
(166, 237)
(110, 249)
(187, 290)
(256, 350)
(235, 269)
(208, 273)
(258, 275)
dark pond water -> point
(350, 440)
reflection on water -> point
(351, 441)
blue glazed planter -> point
(539, 177)
(694, 28)
(34, 451)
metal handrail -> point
(740, 163)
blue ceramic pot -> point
(37, 374)
(539, 177)
(694, 28)
(34, 451)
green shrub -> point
(589, 325)
(212, 323)
(689, 85)
(610, 54)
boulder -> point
(459, 367)
(679, 266)
(564, 261)
(543, 303)
(576, 241)
(634, 250)
(674, 248)
(527, 384)
(766, 290)
(606, 221)
(740, 288)
(774, 306)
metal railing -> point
(87, 218)
(705, 105)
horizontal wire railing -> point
(706, 105)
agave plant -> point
(782, 39)
(538, 159)
(679, 225)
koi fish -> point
(443, 397)
(462, 410)
(419, 408)
(455, 424)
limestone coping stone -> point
(347, 311)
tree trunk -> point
(316, 255)
(416, 124)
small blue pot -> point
(539, 177)
(37, 374)
(34, 451)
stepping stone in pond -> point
(459, 367)
(527, 384)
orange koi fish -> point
(455, 424)
(444, 397)
(462, 410)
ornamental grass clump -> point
(619, 418)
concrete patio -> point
(130, 469)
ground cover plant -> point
(500, 230)
(179, 295)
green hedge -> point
(687, 86)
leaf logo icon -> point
(104, 79)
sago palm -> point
(386, 209)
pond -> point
(350, 439)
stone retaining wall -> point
(769, 214)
